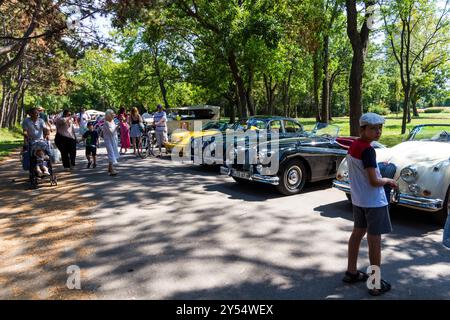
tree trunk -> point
(316, 80)
(270, 93)
(162, 87)
(414, 99)
(249, 98)
(242, 97)
(324, 117)
(405, 110)
(2, 102)
(330, 95)
(359, 41)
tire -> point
(143, 147)
(441, 216)
(293, 176)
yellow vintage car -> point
(181, 139)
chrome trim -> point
(341, 185)
(266, 179)
(225, 170)
(401, 199)
(274, 180)
(407, 200)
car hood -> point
(412, 152)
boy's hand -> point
(391, 182)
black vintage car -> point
(311, 156)
(286, 128)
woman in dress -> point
(124, 130)
(109, 131)
(136, 124)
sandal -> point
(385, 287)
(359, 276)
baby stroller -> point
(29, 162)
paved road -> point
(167, 230)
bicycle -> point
(147, 142)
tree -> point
(414, 30)
(359, 41)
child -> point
(91, 137)
(370, 205)
(41, 162)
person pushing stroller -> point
(36, 145)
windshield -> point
(325, 130)
(245, 124)
(440, 133)
(221, 126)
(186, 114)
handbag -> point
(54, 154)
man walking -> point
(160, 120)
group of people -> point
(37, 128)
(132, 126)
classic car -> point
(185, 117)
(286, 128)
(181, 138)
(422, 171)
(308, 157)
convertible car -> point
(258, 125)
(309, 156)
(181, 139)
(422, 170)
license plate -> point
(240, 174)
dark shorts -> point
(91, 151)
(376, 220)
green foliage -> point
(381, 108)
(435, 110)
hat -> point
(370, 119)
(159, 106)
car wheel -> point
(441, 216)
(292, 178)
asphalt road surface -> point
(166, 230)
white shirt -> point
(83, 119)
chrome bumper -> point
(402, 199)
(341, 185)
(273, 180)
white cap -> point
(371, 119)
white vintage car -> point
(422, 170)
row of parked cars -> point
(421, 161)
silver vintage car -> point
(422, 171)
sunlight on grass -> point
(9, 140)
(392, 128)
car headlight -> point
(212, 146)
(414, 189)
(264, 156)
(409, 174)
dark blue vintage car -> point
(306, 156)
(286, 128)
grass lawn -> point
(9, 140)
(392, 128)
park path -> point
(40, 232)
(166, 230)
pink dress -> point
(124, 131)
